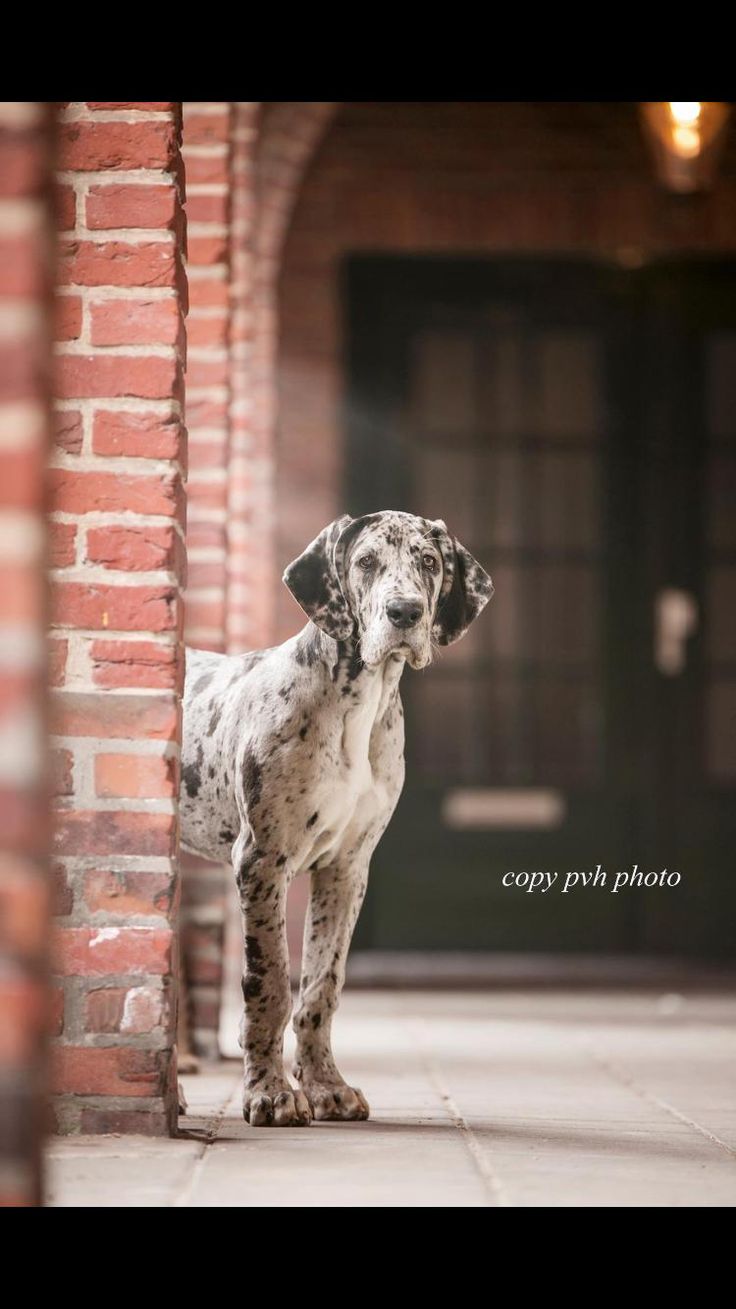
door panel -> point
(574, 425)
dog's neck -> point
(352, 682)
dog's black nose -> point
(404, 613)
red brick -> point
(136, 663)
(63, 895)
(68, 432)
(209, 573)
(103, 1009)
(116, 1122)
(135, 776)
(131, 206)
(207, 208)
(62, 779)
(129, 893)
(121, 608)
(56, 1011)
(67, 317)
(206, 413)
(201, 170)
(78, 493)
(126, 717)
(205, 613)
(149, 377)
(62, 549)
(208, 293)
(206, 129)
(207, 331)
(135, 322)
(121, 1071)
(21, 595)
(135, 548)
(202, 536)
(209, 453)
(98, 832)
(207, 372)
(206, 250)
(145, 436)
(93, 146)
(66, 207)
(57, 662)
(118, 263)
(24, 903)
(24, 1021)
(97, 951)
(209, 495)
(134, 1010)
(22, 271)
(23, 161)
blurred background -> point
(519, 317)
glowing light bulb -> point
(686, 141)
(685, 111)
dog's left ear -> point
(466, 587)
(314, 582)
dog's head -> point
(392, 581)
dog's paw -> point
(284, 1108)
(336, 1102)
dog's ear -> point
(314, 581)
(465, 591)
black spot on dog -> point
(214, 717)
(252, 778)
(227, 835)
(316, 1020)
(281, 860)
(202, 683)
(311, 821)
(191, 775)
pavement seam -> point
(620, 1075)
(211, 1131)
(488, 1174)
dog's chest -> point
(350, 790)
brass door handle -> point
(675, 620)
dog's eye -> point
(430, 563)
(366, 561)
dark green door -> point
(556, 415)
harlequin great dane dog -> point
(293, 762)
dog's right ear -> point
(314, 583)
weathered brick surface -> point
(118, 511)
(28, 1016)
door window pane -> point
(568, 390)
(720, 376)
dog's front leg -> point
(336, 897)
(269, 1100)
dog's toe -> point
(284, 1109)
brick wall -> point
(118, 516)
(26, 251)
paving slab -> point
(479, 1099)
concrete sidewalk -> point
(477, 1098)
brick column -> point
(26, 253)
(240, 635)
(207, 156)
(118, 571)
